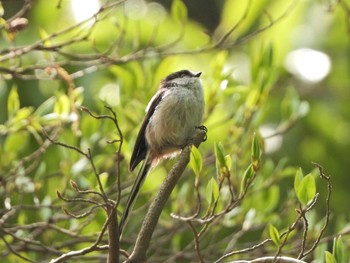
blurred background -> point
(295, 53)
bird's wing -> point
(140, 148)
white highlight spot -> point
(84, 9)
(110, 94)
(273, 143)
(135, 9)
(308, 64)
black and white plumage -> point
(173, 114)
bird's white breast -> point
(173, 123)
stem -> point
(151, 219)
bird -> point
(172, 116)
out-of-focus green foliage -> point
(264, 123)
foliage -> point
(73, 94)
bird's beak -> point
(198, 74)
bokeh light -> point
(272, 140)
(308, 64)
(84, 9)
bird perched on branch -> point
(172, 116)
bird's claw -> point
(205, 129)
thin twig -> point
(328, 209)
(196, 242)
(13, 251)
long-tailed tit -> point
(173, 114)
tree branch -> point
(151, 219)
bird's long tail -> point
(141, 176)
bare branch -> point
(196, 242)
(150, 221)
(328, 209)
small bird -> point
(172, 116)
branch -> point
(97, 60)
(270, 260)
(151, 219)
(328, 209)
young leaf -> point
(179, 11)
(297, 180)
(13, 102)
(248, 174)
(196, 161)
(307, 189)
(219, 154)
(62, 105)
(46, 106)
(329, 257)
(212, 191)
(274, 235)
(338, 250)
(2, 11)
(228, 162)
(256, 152)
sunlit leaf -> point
(267, 58)
(44, 36)
(16, 142)
(2, 11)
(23, 113)
(212, 191)
(62, 105)
(252, 98)
(338, 250)
(256, 152)
(219, 154)
(329, 257)
(179, 11)
(46, 106)
(223, 162)
(306, 189)
(78, 96)
(196, 161)
(290, 103)
(228, 162)
(248, 174)
(297, 180)
(274, 235)
(13, 103)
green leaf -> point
(45, 107)
(23, 113)
(219, 154)
(13, 103)
(267, 59)
(16, 142)
(179, 11)
(62, 105)
(45, 36)
(228, 162)
(2, 11)
(256, 152)
(196, 161)
(338, 250)
(252, 98)
(307, 189)
(297, 180)
(274, 235)
(248, 174)
(212, 191)
(290, 103)
(329, 257)
(223, 162)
